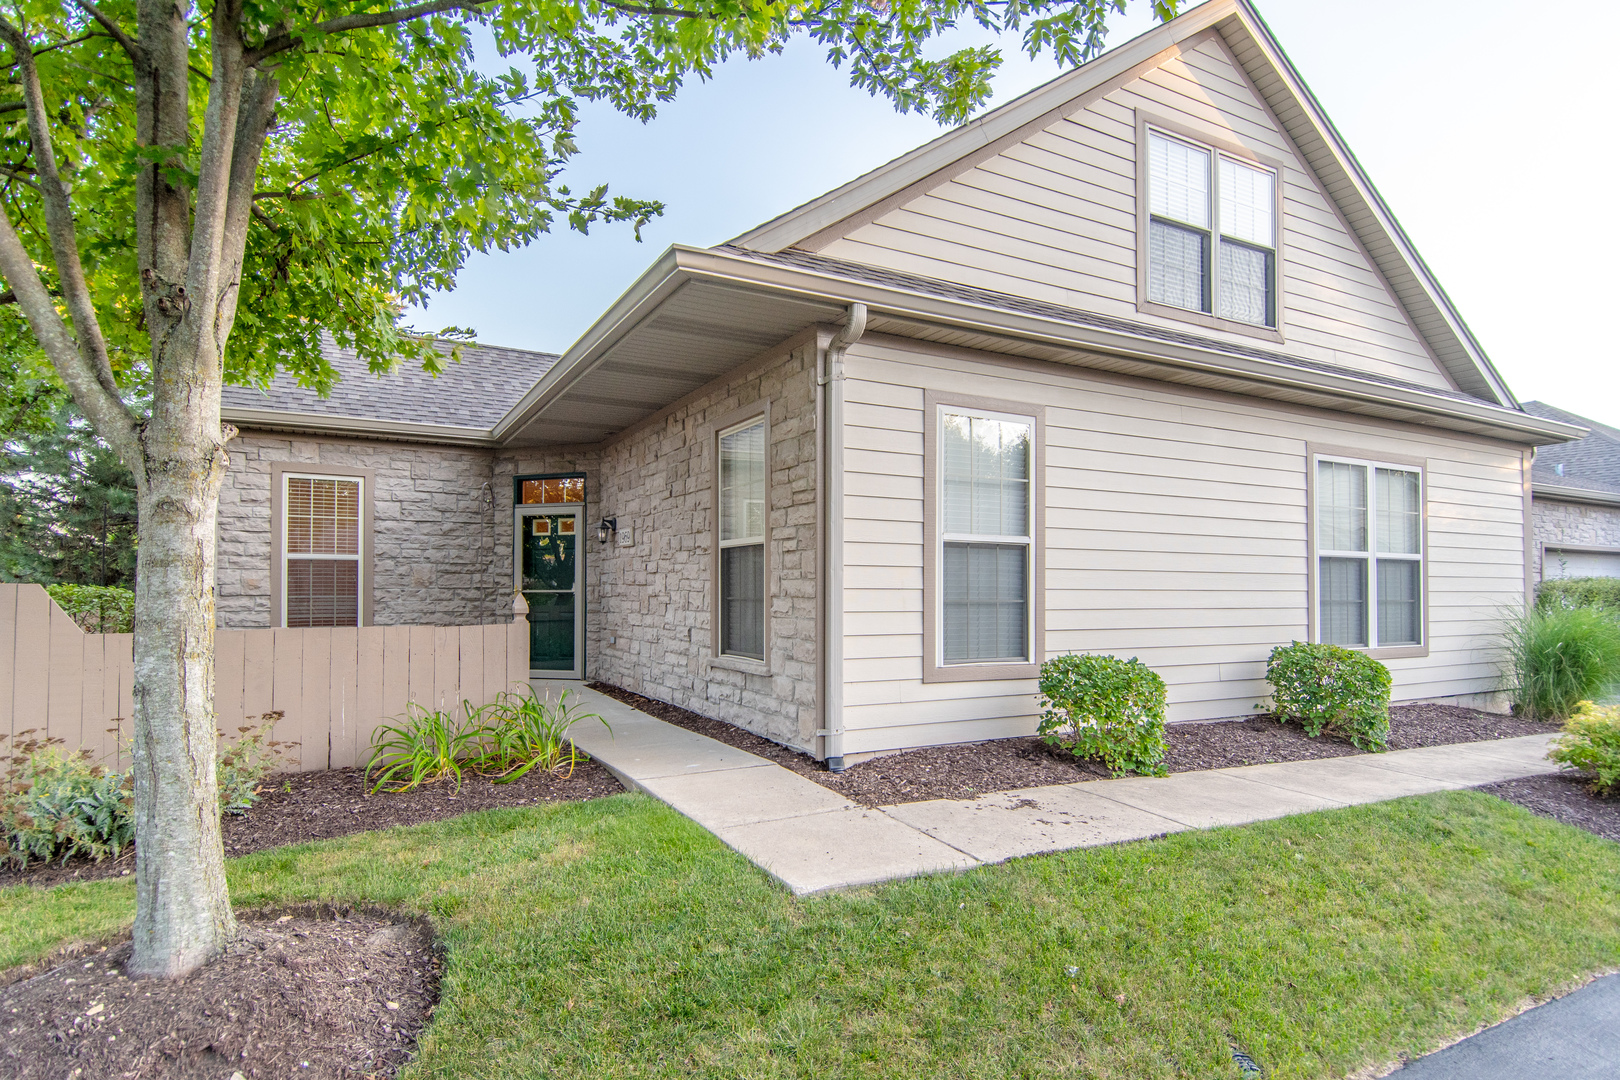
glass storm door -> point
(548, 554)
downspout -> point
(831, 381)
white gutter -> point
(1565, 493)
(830, 381)
(332, 424)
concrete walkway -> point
(812, 839)
(1576, 1037)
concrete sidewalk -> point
(812, 839)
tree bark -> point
(182, 908)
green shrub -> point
(1593, 592)
(522, 732)
(97, 609)
(1333, 689)
(1591, 743)
(1105, 708)
(1556, 657)
(57, 803)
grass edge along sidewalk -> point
(616, 938)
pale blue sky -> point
(1489, 129)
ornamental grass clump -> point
(1105, 708)
(503, 740)
(1333, 689)
(1591, 743)
(1555, 657)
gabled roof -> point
(820, 221)
(461, 404)
(1590, 465)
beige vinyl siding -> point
(1175, 532)
(1053, 218)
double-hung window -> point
(742, 504)
(986, 535)
(1369, 553)
(1212, 232)
(322, 567)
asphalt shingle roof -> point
(1592, 463)
(477, 392)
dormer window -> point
(1212, 232)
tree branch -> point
(292, 39)
(116, 32)
(105, 408)
(59, 219)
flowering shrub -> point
(1591, 743)
(1331, 688)
(1105, 708)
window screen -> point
(322, 551)
(1369, 535)
(1178, 232)
(986, 465)
(1248, 243)
(742, 541)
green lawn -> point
(615, 938)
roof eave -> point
(355, 426)
(1566, 493)
(894, 300)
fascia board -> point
(893, 300)
(1346, 160)
(804, 221)
(329, 424)
(654, 286)
(1564, 493)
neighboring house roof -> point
(823, 220)
(472, 394)
(1590, 465)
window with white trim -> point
(742, 540)
(1212, 232)
(321, 564)
(1369, 553)
(986, 537)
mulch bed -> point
(329, 994)
(296, 807)
(1563, 797)
(967, 770)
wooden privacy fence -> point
(334, 686)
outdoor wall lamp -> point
(608, 525)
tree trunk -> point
(182, 910)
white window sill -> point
(740, 663)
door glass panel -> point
(549, 554)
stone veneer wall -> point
(433, 557)
(651, 604)
(1561, 524)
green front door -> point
(548, 555)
